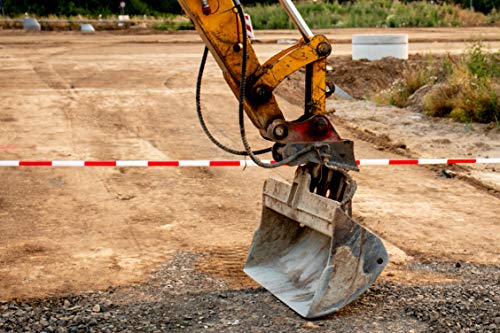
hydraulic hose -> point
(202, 120)
(241, 99)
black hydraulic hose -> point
(248, 149)
(202, 121)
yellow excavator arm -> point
(307, 251)
(221, 25)
(222, 31)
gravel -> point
(178, 298)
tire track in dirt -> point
(49, 76)
(45, 71)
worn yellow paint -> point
(222, 30)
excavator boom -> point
(307, 251)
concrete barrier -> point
(31, 24)
(373, 47)
(87, 27)
(122, 19)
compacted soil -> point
(161, 249)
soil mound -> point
(361, 78)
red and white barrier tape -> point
(233, 163)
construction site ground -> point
(161, 249)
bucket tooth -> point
(308, 251)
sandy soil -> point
(73, 96)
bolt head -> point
(262, 93)
(320, 125)
(237, 47)
(281, 131)
(324, 49)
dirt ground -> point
(131, 96)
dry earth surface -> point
(162, 248)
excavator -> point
(307, 251)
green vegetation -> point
(370, 13)
(174, 22)
(493, 17)
(269, 14)
(465, 88)
(403, 88)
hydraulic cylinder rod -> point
(297, 19)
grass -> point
(370, 13)
(465, 88)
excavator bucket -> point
(308, 251)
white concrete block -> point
(374, 47)
(31, 24)
(87, 27)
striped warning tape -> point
(234, 163)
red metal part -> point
(205, 7)
(315, 129)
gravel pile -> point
(178, 298)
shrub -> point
(465, 88)
(470, 88)
(482, 64)
(439, 102)
(412, 80)
(493, 17)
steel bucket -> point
(308, 251)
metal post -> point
(297, 19)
